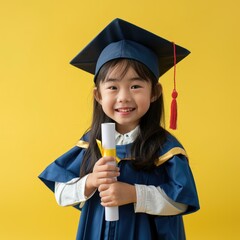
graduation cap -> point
(121, 39)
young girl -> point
(152, 183)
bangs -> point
(122, 65)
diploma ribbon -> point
(107, 152)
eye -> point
(112, 88)
(136, 86)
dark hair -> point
(152, 133)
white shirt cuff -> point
(153, 200)
(72, 192)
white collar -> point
(122, 139)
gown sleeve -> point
(177, 180)
(179, 184)
(64, 168)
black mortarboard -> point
(121, 39)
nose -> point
(124, 95)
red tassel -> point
(173, 117)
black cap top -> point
(121, 39)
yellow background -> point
(45, 104)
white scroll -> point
(109, 149)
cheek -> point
(144, 103)
(107, 101)
(145, 97)
(101, 96)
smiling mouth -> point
(125, 110)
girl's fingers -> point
(105, 160)
(104, 164)
(103, 187)
(108, 174)
(106, 181)
(105, 167)
(105, 178)
(103, 172)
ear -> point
(157, 92)
(97, 95)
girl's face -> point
(124, 98)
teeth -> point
(125, 110)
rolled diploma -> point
(109, 146)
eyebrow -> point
(119, 79)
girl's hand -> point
(103, 173)
(117, 194)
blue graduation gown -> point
(172, 173)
